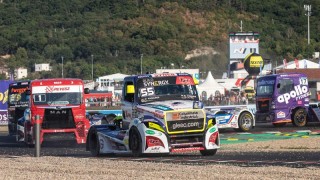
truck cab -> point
(60, 108)
(161, 113)
(282, 99)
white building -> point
(20, 73)
(112, 82)
(42, 67)
(300, 64)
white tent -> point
(210, 86)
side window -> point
(128, 96)
(285, 86)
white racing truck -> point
(237, 117)
(161, 114)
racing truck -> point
(161, 113)
(58, 106)
(282, 98)
(237, 117)
(17, 105)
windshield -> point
(17, 95)
(265, 86)
(166, 88)
(72, 98)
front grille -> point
(263, 105)
(58, 119)
(190, 140)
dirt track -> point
(53, 167)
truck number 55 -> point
(149, 91)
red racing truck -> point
(58, 105)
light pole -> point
(141, 63)
(92, 67)
(62, 67)
(308, 13)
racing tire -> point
(94, 145)
(245, 122)
(210, 152)
(279, 124)
(299, 118)
(135, 142)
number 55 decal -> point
(149, 91)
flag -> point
(305, 64)
(297, 63)
(284, 63)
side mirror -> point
(130, 89)
(278, 85)
(86, 90)
(28, 92)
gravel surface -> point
(51, 167)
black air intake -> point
(58, 119)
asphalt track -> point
(263, 132)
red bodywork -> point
(73, 115)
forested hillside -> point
(114, 34)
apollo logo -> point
(299, 92)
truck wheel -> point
(210, 152)
(300, 117)
(94, 145)
(245, 122)
(135, 142)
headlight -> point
(273, 105)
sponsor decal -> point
(265, 82)
(150, 132)
(155, 149)
(181, 121)
(187, 149)
(298, 93)
(256, 61)
(153, 141)
(163, 75)
(212, 130)
(19, 90)
(184, 80)
(151, 82)
(185, 125)
(58, 112)
(185, 115)
(281, 114)
(50, 89)
(79, 116)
